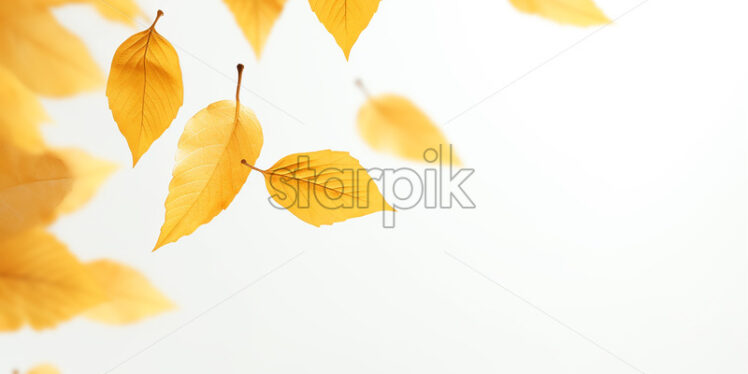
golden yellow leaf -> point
(130, 296)
(46, 57)
(575, 12)
(208, 173)
(44, 369)
(124, 11)
(20, 114)
(88, 173)
(256, 19)
(32, 186)
(393, 124)
(145, 88)
(323, 187)
(41, 282)
(345, 19)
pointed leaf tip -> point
(343, 21)
(256, 19)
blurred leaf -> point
(145, 88)
(44, 369)
(131, 297)
(41, 282)
(88, 173)
(208, 173)
(32, 186)
(393, 124)
(345, 19)
(20, 114)
(124, 11)
(256, 19)
(46, 57)
(574, 12)
(323, 187)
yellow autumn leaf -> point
(130, 296)
(393, 124)
(20, 114)
(574, 12)
(208, 173)
(45, 56)
(145, 88)
(88, 174)
(41, 283)
(124, 11)
(256, 19)
(323, 187)
(44, 369)
(345, 19)
(32, 186)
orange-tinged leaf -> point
(46, 57)
(345, 19)
(256, 19)
(574, 12)
(323, 187)
(41, 283)
(88, 173)
(393, 124)
(208, 173)
(145, 88)
(44, 369)
(130, 296)
(20, 114)
(32, 186)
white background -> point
(610, 184)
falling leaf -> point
(41, 282)
(20, 113)
(44, 369)
(574, 12)
(46, 57)
(323, 187)
(32, 186)
(256, 18)
(145, 88)
(88, 173)
(131, 297)
(393, 124)
(345, 19)
(208, 173)
(124, 11)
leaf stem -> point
(240, 70)
(360, 84)
(159, 14)
(245, 163)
